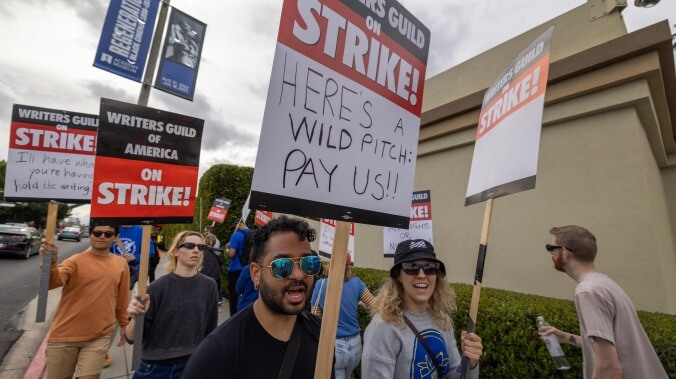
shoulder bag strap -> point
(291, 350)
(424, 344)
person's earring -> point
(256, 287)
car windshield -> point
(71, 229)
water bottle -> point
(554, 347)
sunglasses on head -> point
(429, 268)
(551, 248)
(192, 245)
(99, 233)
(282, 268)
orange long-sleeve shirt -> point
(95, 293)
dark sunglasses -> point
(282, 268)
(192, 245)
(429, 268)
(551, 248)
(98, 233)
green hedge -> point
(506, 324)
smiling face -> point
(283, 296)
(189, 258)
(418, 288)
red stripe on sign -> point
(129, 188)
(217, 214)
(47, 138)
(523, 90)
(337, 37)
(421, 211)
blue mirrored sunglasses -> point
(282, 268)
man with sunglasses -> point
(411, 334)
(614, 343)
(94, 296)
(274, 333)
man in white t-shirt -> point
(613, 342)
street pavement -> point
(26, 358)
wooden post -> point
(478, 278)
(334, 290)
(142, 285)
(43, 287)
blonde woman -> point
(348, 341)
(411, 333)
(181, 308)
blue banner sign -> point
(126, 36)
(181, 55)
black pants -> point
(232, 282)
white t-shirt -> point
(605, 311)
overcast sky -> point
(48, 47)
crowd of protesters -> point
(272, 333)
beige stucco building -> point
(607, 162)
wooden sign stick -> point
(478, 278)
(43, 287)
(141, 293)
(334, 290)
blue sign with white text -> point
(126, 36)
(181, 55)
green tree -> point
(27, 212)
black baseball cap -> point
(234, 226)
(411, 250)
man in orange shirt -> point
(95, 293)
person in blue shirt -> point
(348, 341)
(235, 251)
(131, 237)
(246, 290)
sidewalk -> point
(27, 358)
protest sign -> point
(125, 38)
(219, 210)
(146, 165)
(51, 155)
(420, 226)
(507, 144)
(181, 55)
(263, 217)
(508, 135)
(342, 116)
(327, 230)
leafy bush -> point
(506, 324)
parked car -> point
(19, 240)
(70, 232)
(85, 233)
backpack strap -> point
(424, 344)
(291, 351)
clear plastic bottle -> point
(553, 347)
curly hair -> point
(282, 223)
(171, 253)
(389, 302)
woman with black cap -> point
(411, 333)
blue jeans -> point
(153, 370)
(348, 354)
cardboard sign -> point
(508, 135)
(340, 129)
(125, 38)
(219, 210)
(51, 155)
(181, 55)
(327, 230)
(263, 217)
(420, 226)
(146, 165)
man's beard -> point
(275, 301)
(558, 263)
